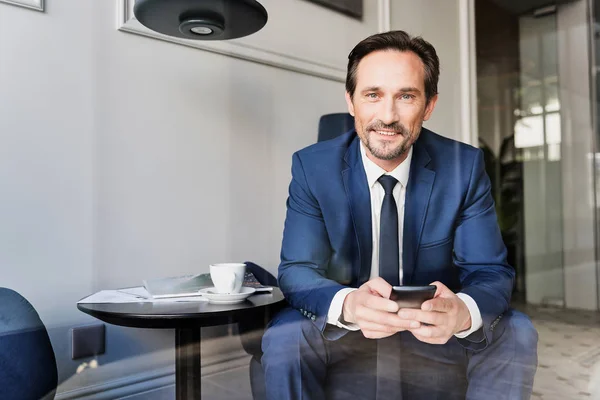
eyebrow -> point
(408, 89)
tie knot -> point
(388, 182)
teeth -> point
(386, 133)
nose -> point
(389, 113)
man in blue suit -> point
(392, 203)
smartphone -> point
(412, 296)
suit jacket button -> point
(314, 318)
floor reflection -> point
(568, 353)
(569, 359)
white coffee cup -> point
(227, 277)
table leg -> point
(187, 364)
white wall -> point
(46, 155)
(124, 157)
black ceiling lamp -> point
(202, 19)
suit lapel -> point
(359, 198)
(418, 192)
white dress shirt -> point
(401, 172)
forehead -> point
(389, 69)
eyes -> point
(403, 96)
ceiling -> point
(524, 6)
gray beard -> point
(387, 155)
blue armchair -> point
(27, 362)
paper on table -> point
(133, 295)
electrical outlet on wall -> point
(88, 341)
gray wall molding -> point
(37, 5)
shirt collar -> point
(374, 171)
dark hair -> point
(399, 41)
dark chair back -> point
(261, 274)
(333, 125)
(27, 362)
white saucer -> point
(227, 298)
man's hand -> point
(371, 309)
(446, 315)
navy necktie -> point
(388, 349)
(389, 244)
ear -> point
(429, 108)
(350, 104)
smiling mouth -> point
(387, 133)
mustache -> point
(394, 126)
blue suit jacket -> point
(450, 228)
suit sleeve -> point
(480, 255)
(305, 254)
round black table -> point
(186, 318)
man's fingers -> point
(376, 331)
(380, 287)
(366, 315)
(429, 332)
(379, 303)
(439, 304)
(440, 288)
(423, 339)
(427, 317)
(375, 327)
